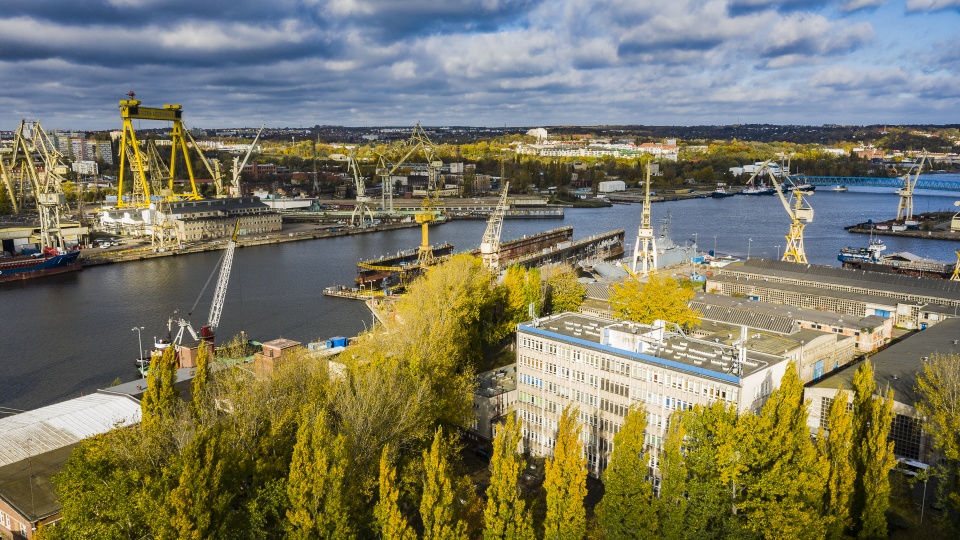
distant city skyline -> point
(300, 63)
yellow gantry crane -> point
(800, 213)
(130, 109)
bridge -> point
(870, 181)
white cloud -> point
(931, 5)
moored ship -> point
(48, 262)
(870, 258)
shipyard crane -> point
(130, 109)
(216, 173)
(35, 166)
(800, 213)
(956, 267)
(905, 207)
(209, 330)
(418, 141)
(645, 250)
(362, 216)
(490, 246)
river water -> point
(63, 336)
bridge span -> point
(870, 181)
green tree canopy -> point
(836, 449)
(505, 516)
(628, 509)
(660, 297)
(872, 454)
(565, 292)
(566, 482)
(437, 508)
(939, 406)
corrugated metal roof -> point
(62, 424)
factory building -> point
(913, 303)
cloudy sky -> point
(482, 62)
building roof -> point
(497, 381)
(899, 365)
(704, 355)
(281, 343)
(806, 289)
(25, 485)
(882, 281)
(63, 424)
(774, 317)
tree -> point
(6, 206)
(565, 292)
(505, 517)
(784, 476)
(672, 504)
(521, 288)
(390, 520)
(939, 406)
(836, 448)
(201, 503)
(566, 482)
(199, 386)
(161, 397)
(437, 503)
(627, 509)
(661, 297)
(872, 454)
(319, 503)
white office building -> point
(603, 367)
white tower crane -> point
(362, 216)
(490, 246)
(800, 213)
(213, 167)
(209, 330)
(645, 250)
(905, 208)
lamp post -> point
(778, 252)
(694, 245)
(140, 344)
(749, 244)
(714, 245)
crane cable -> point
(215, 268)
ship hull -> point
(21, 269)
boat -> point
(803, 186)
(759, 189)
(839, 189)
(850, 256)
(870, 258)
(48, 262)
(721, 192)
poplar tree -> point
(566, 482)
(505, 516)
(390, 520)
(672, 504)
(316, 485)
(785, 477)
(201, 503)
(939, 406)
(199, 386)
(836, 448)
(627, 509)
(160, 398)
(872, 454)
(437, 503)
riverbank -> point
(296, 232)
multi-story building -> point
(495, 393)
(604, 367)
(216, 218)
(895, 368)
